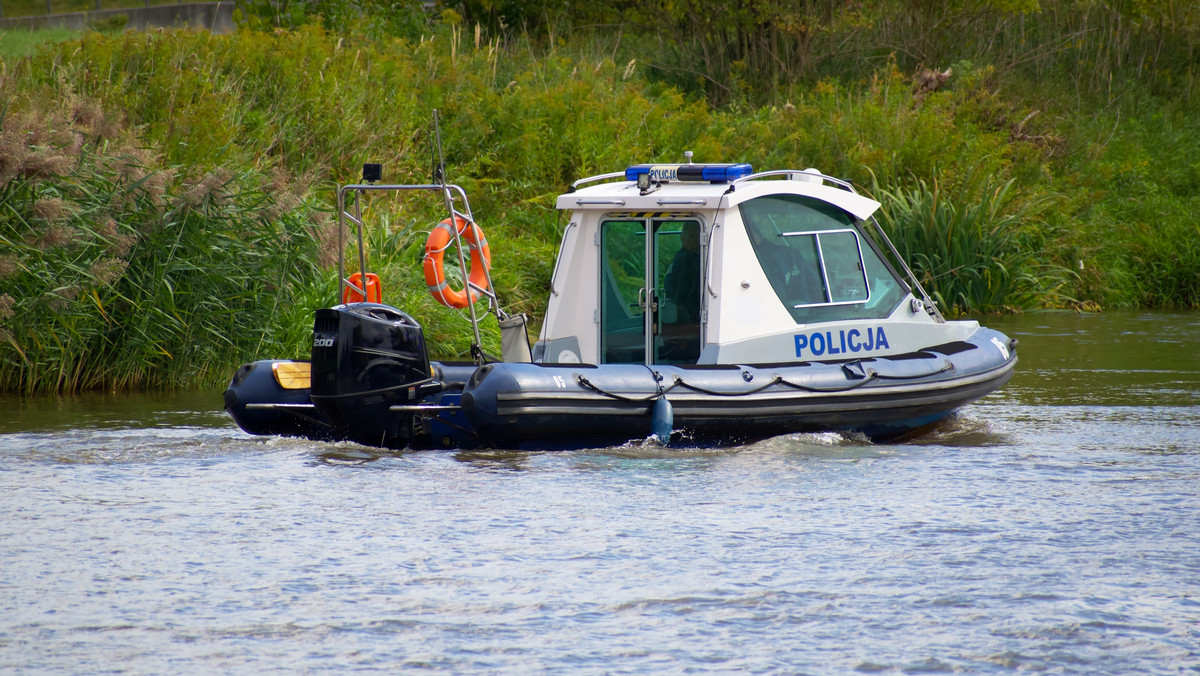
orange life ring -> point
(481, 261)
(355, 295)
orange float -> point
(355, 295)
(435, 248)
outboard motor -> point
(366, 358)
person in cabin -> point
(681, 288)
(792, 271)
(682, 283)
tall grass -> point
(745, 52)
(971, 248)
(117, 273)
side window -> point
(845, 266)
(819, 264)
(838, 261)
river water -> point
(1053, 526)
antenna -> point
(439, 170)
(439, 162)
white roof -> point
(702, 195)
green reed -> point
(970, 249)
(116, 273)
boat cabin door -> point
(650, 282)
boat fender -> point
(435, 248)
(663, 420)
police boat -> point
(702, 304)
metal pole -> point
(341, 226)
(462, 263)
(49, 9)
(930, 306)
(362, 251)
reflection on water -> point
(112, 411)
(1110, 359)
(1049, 527)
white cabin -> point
(713, 264)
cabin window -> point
(819, 264)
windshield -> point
(817, 260)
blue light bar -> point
(713, 173)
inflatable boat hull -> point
(524, 404)
(558, 406)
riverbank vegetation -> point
(19, 42)
(166, 196)
(23, 8)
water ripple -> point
(1050, 527)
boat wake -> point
(962, 428)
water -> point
(1054, 526)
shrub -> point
(967, 249)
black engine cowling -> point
(366, 358)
